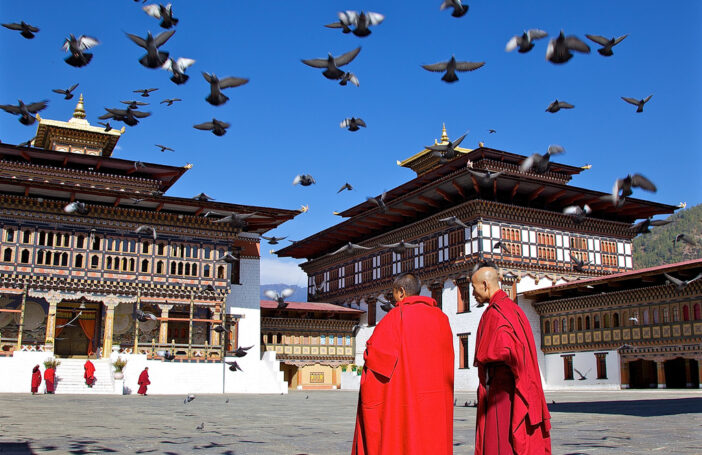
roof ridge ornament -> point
(444, 136)
(79, 111)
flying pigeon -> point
(361, 21)
(578, 264)
(218, 127)
(145, 91)
(133, 104)
(339, 24)
(67, 92)
(236, 220)
(349, 77)
(76, 207)
(684, 238)
(228, 257)
(143, 316)
(304, 180)
(347, 186)
(379, 201)
(400, 247)
(279, 298)
(681, 284)
(633, 319)
(145, 228)
(76, 46)
(107, 126)
(273, 240)
(638, 103)
(153, 57)
(385, 305)
(577, 213)
(350, 248)
(170, 101)
(25, 111)
(331, 64)
(582, 376)
(220, 329)
(607, 43)
(451, 67)
(241, 351)
(446, 151)
(459, 9)
(453, 221)
(166, 355)
(558, 50)
(178, 67)
(165, 13)
(491, 131)
(525, 41)
(25, 29)
(233, 366)
(623, 187)
(557, 106)
(352, 123)
(485, 178)
(216, 97)
(644, 227)
(128, 116)
(164, 148)
(539, 164)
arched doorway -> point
(642, 374)
(681, 373)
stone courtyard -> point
(321, 422)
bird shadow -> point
(637, 408)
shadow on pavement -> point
(16, 448)
(638, 408)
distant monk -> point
(89, 374)
(36, 379)
(405, 405)
(49, 378)
(143, 381)
(512, 415)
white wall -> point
(16, 371)
(586, 363)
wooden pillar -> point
(624, 373)
(437, 291)
(136, 324)
(334, 377)
(110, 305)
(688, 373)
(216, 315)
(21, 322)
(163, 329)
(660, 368)
(372, 302)
(54, 299)
(190, 323)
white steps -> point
(71, 381)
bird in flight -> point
(145, 91)
(606, 43)
(453, 221)
(559, 49)
(68, 93)
(681, 284)
(76, 46)
(164, 148)
(178, 67)
(218, 127)
(331, 64)
(25, 111)
(450, 67)
(353, 123)
(304, 180)
(459, 9)
(539, 164)
(165, 13)
(170, 101)
(153, 57)
(25, 29)
(347, 186)
(361, 21)
(557, 106)
(216, 97)
(638, 103)
(279, 298)
(145, 228)
(525, 41)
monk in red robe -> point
(89, 373)
(49, 379)
(143, 381)
(405, 404)
(512, 414)
(36, 379)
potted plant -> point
(119, 365)
(343, 368)
(51, 363)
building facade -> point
(523, 211)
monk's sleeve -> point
(499, 347)
(383, 348)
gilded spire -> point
(444, 136)
(79, 112)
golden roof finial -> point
(444, 136)
(79, 112)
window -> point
(580, 323)
(437, 292)
(556, 326)
(571, 324)
(94, 262)
(358, 272)
(80, 242)
(443, 248)
(220, 272)
(96, 243)
(235, 272)
(686, 313)
(161, 249)
(376, 267)
(206, 271)
(419, 256)
(656, 316)
(605, 321)
(342, 277)
(144, 266)
(322, 339)
(547, 327)
(159, 267)
(696, 312)
(601, 365)
(145, 247)
(587, 322)
(64, 260)
(646, 320)
(615, 320)
(463, 351)
(463, 298)
(7, 255)
(568, 367)
(78, 262)
(9, 235)
(597, 321)
(24, 257)
(27, 236)
(396, 263)
(348, 340)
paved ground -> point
(666, 422)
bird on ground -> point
(145, 91)
(201, 426)
(539, 164)
(638, 103)
(453, 221)
(347, 186)
(178, 67)
(684, 238)
(380, 201)
(216, 97)
(144, 228)
(203, 197)
(582, 376)
(170, 101)
(279, 298)
(349, 248)
(385, 305)
(577, 213)
(446, 151)
(241, 351)
(70, 323)
(25, 111)
(273, 240)
(25, 29)
(166, 355)
(353, 123)
(559, 49)
(644, 227)
(76, 207)
(349, 77)
(681, 284)
(331, 64)
(557, 106)
(133, 104)
(450, 67)
(233, 366)
(236, 220)
(459, 9)
(107, 126)
(485, 177)
(188, 399)
(128, 116)
(165, 13)
(525, 41)
(218, 127)
(400, 247)
(164, 148)
(491, 131)
(143, 316)
(68, 93)
(228, 257)
(578, 264)
(76, 46)
(153, 57)
(361, 21)
(606, 43)
(304, 180)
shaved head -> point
(485, 283)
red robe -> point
(514, 396)
(49, 378)
(36, 380)
(143, 382)
(89, 374)
(405, 405)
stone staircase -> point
(71, 381)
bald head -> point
(485, 283)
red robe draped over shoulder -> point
(89, 374)
(50, 378)
(143, 382)
(405, 404)
(505, 347)
(36, 380)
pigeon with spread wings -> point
(216, 97)
(153, 57)
(25, 111)
(25, 29)
(525, 41)
(76, 46)
(279, 298)
(331, 64)
(450, 67)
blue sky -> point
(285, 121)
